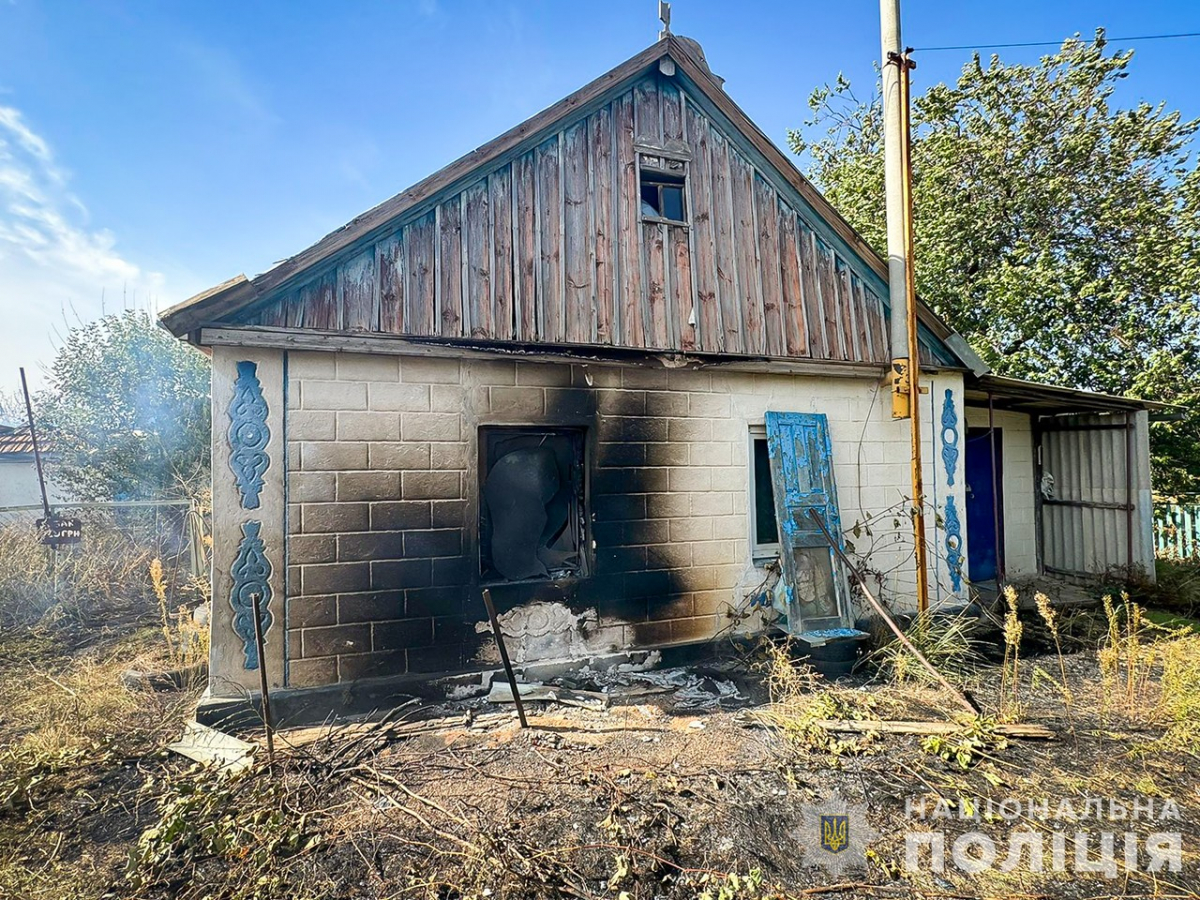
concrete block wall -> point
(382, 489)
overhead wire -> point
(1059, 43)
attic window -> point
(663, 195)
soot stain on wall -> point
(625, 458)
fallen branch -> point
(1021, 730)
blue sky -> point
(149, 150)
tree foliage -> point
(1057, 231)
(127, 410)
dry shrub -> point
(946, 641)
(1134, 651)
(801, 698)
(100, 583)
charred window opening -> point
(764, 528)
(532, 504)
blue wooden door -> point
(802, 475)
(984, 503)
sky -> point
(149, 150)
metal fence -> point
(1177, 530)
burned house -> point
(608, 365)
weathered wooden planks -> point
(702, 234)
(500, 202)
(600, 140)
(525, 249)
(548, 172)
(631, 326)
(795, 323)
(727, 274)
(745, 244)
(476, 225)
(389, 265)
(654, 260)
(551, 246)
(766, 217)
(418, 270)
(579, 296)
(356, 284)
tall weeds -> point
(1010, 673)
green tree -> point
(127, 410)
(1057, 231)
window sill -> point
(762, 556)
(658, 220)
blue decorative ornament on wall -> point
(248, 434)
(954, 557)
(949, 436)
(251, 575)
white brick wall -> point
(384, 453)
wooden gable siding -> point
(550, 247)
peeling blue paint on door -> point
(815, 585)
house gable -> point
(546, 243)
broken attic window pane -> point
(672, 203)
(531, 523)
(662, 195)
(766, 528)
(650, 200)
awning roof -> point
(1045, 399)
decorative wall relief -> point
(251, 575)
(949, 436)
(248, 434)
(954, 557)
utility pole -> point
(906, 360)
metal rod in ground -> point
(958, 695)
(508, 669)
(268, 723)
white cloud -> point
(55, 268)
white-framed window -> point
(764, 528)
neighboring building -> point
(592, 365)
(18, 471)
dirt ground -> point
(707, 786)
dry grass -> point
(75, 742)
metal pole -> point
(268, 723)
(1129, 493)
(891, 47)
(508, 669)
(905, 66)
(37, 456)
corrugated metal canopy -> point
(1045, 399)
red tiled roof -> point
(15, 440)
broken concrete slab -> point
(209, 746)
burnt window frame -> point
(759, 551)
(672, 173)
(579, 435)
